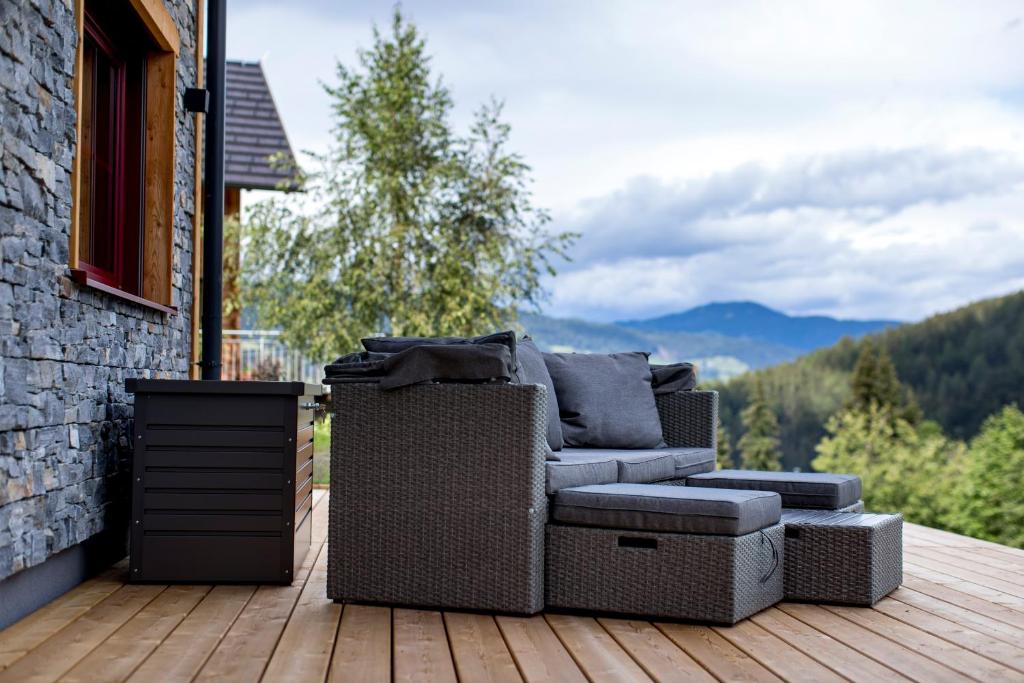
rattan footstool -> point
(664, 551)
(842, 557)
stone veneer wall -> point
(65, 350)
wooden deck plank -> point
(538, 653)
(304, 650)
(595, 651)
(180, 656)
(18, 638)
(923, 642)
(716, 654)
(999, 559)
(838, 656)
(138, 637)
(61, 651)
(660, 657)
(479, 651)
(1015, 553)
(243, 653)
(950, 576)
(421, 651)
(960, 615)
(909, 663)
(362, 651)
(959, 634)
(969, 561)
(958, 540)
(968, 600)
(777, 655)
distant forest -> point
(962, 366)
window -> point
(123, 214)
(112, 147)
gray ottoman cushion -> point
(605, 400)
(571, 470)
(798, 489)
(679, 509)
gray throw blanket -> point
(418, 364)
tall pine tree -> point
(759, 446)
(875, 382)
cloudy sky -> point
(856, 159)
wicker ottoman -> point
(842, 557)
(662, 551)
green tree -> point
(723, 459)
(989, 502)
(875, 381)
(902, 468)
(759, 445)
(406, 227)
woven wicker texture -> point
(718, 579)
(437, 496)
(689, 418)
(848, 558)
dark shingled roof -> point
(252, 131)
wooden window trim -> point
(87, 279)
(158, 165)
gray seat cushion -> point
(605, 400)
(818, 490)
(691, 461)
(678, 509)
(569, 471)
(646, 465)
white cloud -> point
(847, 158)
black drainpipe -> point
(213, 221)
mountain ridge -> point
(757, 321)
(721, 353)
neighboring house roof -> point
(253, 131)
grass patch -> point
(322, 451)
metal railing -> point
(260, 355)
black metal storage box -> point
(222, 480)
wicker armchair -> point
(438, 491)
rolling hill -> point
(963, 366)
(758, 322)
(724, 339)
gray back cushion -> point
(605, 400)
(532, 370)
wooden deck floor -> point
(959, 616)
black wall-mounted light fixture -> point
(197, 100)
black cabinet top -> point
(197, 386)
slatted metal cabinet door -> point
(216, 489)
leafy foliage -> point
(759, 447)
(962, 367)
(988, 502)
(723, 457)
(902, 468)
(407, 228)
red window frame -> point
(112, 254)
